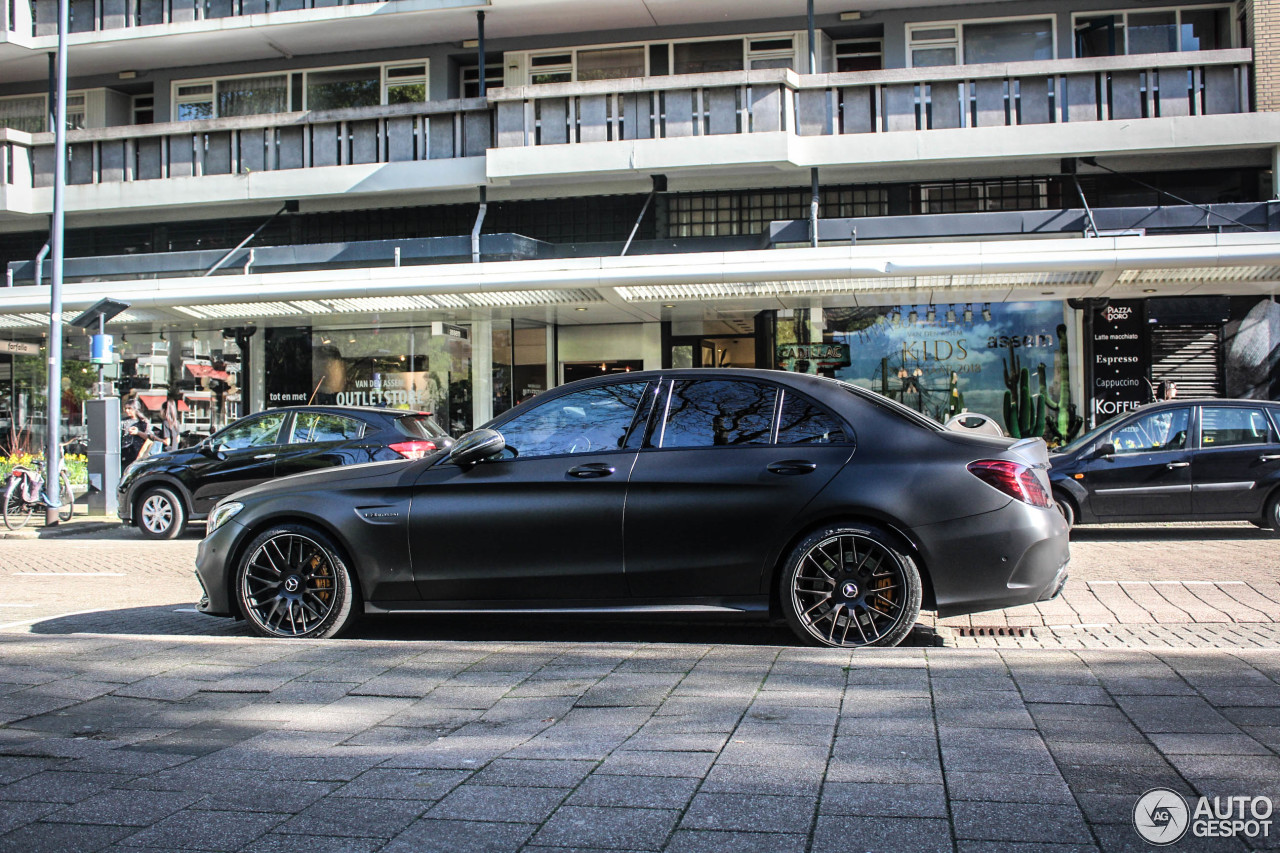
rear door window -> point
(419, 426)
(313, 427)
(718, 413)
(1233, 426)
(805, 422)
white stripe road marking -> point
(69, 574)
(19, 605)
(32, 621)
(186, 610)
(1152, 583)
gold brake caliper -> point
(323, 578)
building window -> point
(977, 42)
(614, 62)
(1153, 31)
(469, 79)
(736, 213)
(611, 63)
(860, 55)
(30, 113)
(144, 111)
(320, 89)
(700, 57)
(990, 196)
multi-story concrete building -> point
(454, 204)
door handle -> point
(1177, 465)
(793, 466)
(265, 456)
(592, 471)
(1270, 457)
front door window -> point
(1164, 430)
(593, 420)
(252, 432)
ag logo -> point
(1161, 817)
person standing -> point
(136, 431)
(172, 426)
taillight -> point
(414, 449)
(1015, 480)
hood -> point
(328, 478)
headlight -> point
(222, 512)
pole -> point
(813, 47)
(53, 435)
(480, 50)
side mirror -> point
(207, 448)
(1105, 451)
(476, 446)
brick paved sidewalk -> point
(134, 744)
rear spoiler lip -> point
(1032, 451)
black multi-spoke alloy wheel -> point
(17, 512)
(850, 586)
(292, 581)
(160, 514)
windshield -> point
(1087, 438)
(419, 426)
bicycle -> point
(24, 494)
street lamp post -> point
(53, 434)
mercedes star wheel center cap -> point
(291, 584)
(850, 590)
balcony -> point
(387, 149)
(771, 122)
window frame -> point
(74, 110)
(363, 428)
(293, 83)
(655, 430)
(1272, 436)
(286, 426)
(1122, 23)
(640, 417)
(958, 41)
(524, 58)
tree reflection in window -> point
(589, 421)
(717, 412)
(804, 423)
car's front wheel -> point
(161, 514)
(293, 582)
(850, 586)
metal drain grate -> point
(993, 631)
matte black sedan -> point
(164, 491)
(1179, 460)
(743, 492)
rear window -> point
(893, 406)
(419, 426)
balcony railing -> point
(912, 99)
(651, 108)
(264, 143)
(92, 15)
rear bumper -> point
(1015, 555)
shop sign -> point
(1119, 368)
(821, 354)
(19, 348)
(457, 333)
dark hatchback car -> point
(1179, 460)
(161, 493)
(722, 492)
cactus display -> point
(1063, 422)
(1024, 413)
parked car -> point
(1178, 460)
(746, 493)
(162, 492)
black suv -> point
(161, 493)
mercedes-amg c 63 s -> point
(730, 492)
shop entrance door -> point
(720, 351)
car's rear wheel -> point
(1271, 515)
(850, 586)
(161, 514)
(293, 582)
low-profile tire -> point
(293, 582)
(160, 514)
(17, 512)
(1068, 511)
(850, 586)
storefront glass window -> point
(1005, 360)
